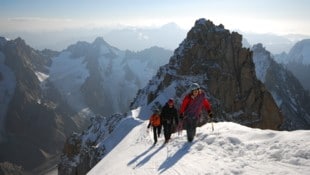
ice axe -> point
(211, 121)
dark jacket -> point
(169, 115)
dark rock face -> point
(214, 58)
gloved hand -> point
(182, 116)
(210, 115)
(148, 126)
(176, 123)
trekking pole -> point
(211, 121)
(180, 128)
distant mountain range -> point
(133, 38)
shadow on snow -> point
(170, 161)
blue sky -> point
(262, 16)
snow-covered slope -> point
(230, 149)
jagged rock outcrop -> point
(213, 57)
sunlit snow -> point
(229, 149)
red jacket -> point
(193, 106)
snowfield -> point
(229, 149)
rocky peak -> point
(259, 47)
(92, 50)
(99, 41)
(213, 57)
(20, 54)
(3, 41)
(300, 52)
(79, 49)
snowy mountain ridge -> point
(230, 149)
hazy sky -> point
(262, 16)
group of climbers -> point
(189, 114)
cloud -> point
(142, 36)
(35, 24)
(38, 19)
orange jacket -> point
(155, 120)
